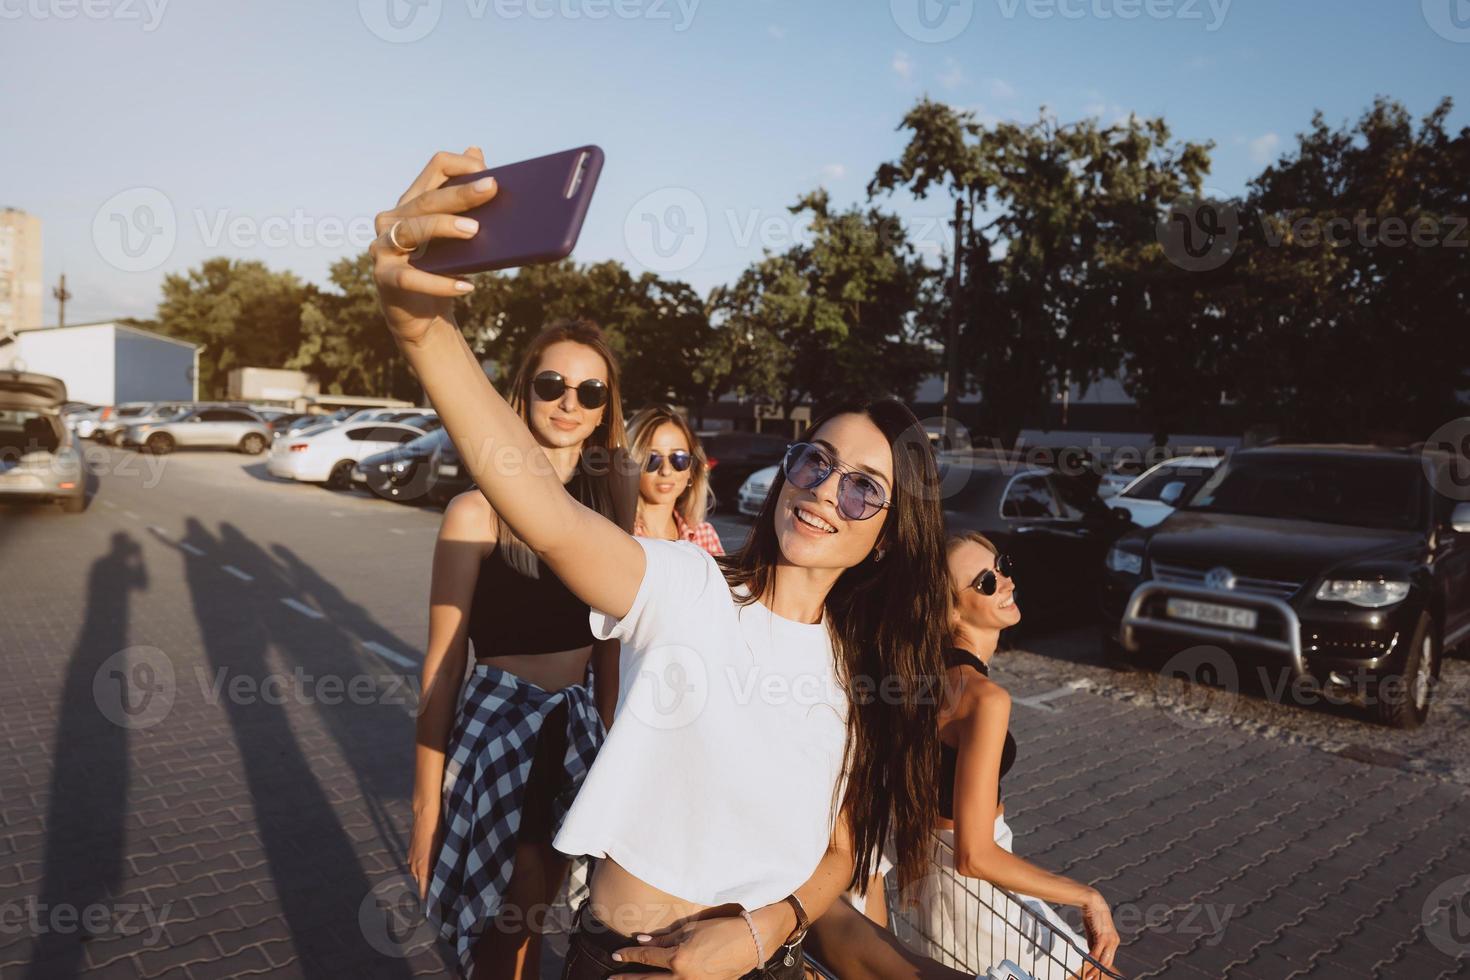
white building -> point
(107, 363)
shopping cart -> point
(986, 930)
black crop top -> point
(513, 614)
(949, 755)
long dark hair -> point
(597, 451)
(888, 619)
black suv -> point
(1341, 564)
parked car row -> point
(163, 427)
(108, 424)
(201, 427)
(326, 453)
(429, 469)
(1342, 566)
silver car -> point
(206, 427)
(110, 431)
(112, 416)
(37, 459)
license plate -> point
(448, 470)
(20, 480)
(1209, 612)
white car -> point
(1113, 483)
(753, 491)
(1153, 495)
(327, 455)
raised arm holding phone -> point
(722, 830)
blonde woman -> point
(673, 489)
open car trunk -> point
(31, 392)
(30, 419)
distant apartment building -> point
(20, 271)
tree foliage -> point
(840, 315)
(1357, 258)
(244, 313)
(1334, 310)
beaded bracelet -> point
(760, 953)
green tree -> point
(1058, 228)
(343, 341)
(658, 328)
(245, 315)
(946, 151)
(829, 318)
(1160, 322)
(1357, 254)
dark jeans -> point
(589, 954)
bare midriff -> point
(630, 905)
(548, 671)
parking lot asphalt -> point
(206, 693)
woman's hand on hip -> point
(411, 298)
(710, 949)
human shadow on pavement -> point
(297, 797)
(83, 863)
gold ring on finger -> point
(393, 237)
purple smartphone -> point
(535, 216)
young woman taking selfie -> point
(482, 856)
(726, 819)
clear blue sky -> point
(293, 121)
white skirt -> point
(969, 924)
(859, 902)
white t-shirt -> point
(717, 780)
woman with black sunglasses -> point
(951, 916)
(773, 723)
(673, 488)
(500, 752)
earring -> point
(878, 554)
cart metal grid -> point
(995, 934)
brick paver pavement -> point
(206, 703)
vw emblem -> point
(1220, 578)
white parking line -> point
(128, 513)
(337, 513)
(242, 576)
(397, 530)
(1039, 701)
(108, 503)
(304, 609)
(392, 656)
(158, 531)
(191, 549)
